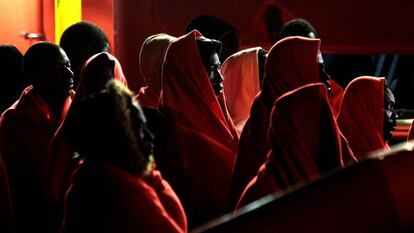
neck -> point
(55, 104)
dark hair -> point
(110, 127)
(273, 20)
(80, 41)
(206, 47)
(297, 27)
(215, 28)
(38, 59)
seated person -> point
(367, 117)
(151, 57)
(305, 143)
(243, 75)
(291, 63)
(62, 158)
(199, 153)
(116, 188)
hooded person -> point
(305, 143)
(301, 27)
(27, 127)
(242, 74)
(151, 57)
(116, 189)
(63, 160)
(291, 63)
(202, 140)
(366, 116)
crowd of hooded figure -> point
(221, 135)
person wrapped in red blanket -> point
(305, 143)
(27, 127)
(199, 153)
(367, 117)
(62, 160)
(116, 188)
(151, 58)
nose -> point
(394, 116)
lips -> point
(218, 88)
(71, 84)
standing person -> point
(80, 41)
(27, 127)
(63, 160)
(367, 117)
(116, 189)
(151, 57)
(202, 140)
(12, 77)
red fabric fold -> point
(291, 63)
(335, 97)
(201, 146)
(361, 115)
(26, 129)
(107, 198)
(241, 84)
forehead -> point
(62, 56)
(388, 96)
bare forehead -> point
(62, 57)
(388, 96)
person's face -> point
(63, 76)
(390, 116)
(214, 74)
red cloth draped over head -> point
(61, 155)
(335, 97)
(202, 141)
(151, 58)
(107, 198)
(291, 63)
(361, 116)
(86, 80)
(26, 130)
(305, 142)
(241, 84)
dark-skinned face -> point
(61, 79)
(214, 74)
(390, 116)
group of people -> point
(80, 152)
